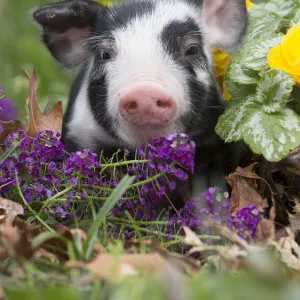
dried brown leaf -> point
(10, 209)
(14, 244)
(244, 191)
(38, 120)
(185, 263)
(265, 231)
(10, 127)
(190, 238)
(43, 253)
(295, 222)
(287, 247)
(115, 269)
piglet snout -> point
(147, 106)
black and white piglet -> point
(145, 71)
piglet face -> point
(146, 65)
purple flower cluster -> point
(43, 173)
(215, 204)
(39, 165)
(30, 162)
(170, 159)
(245, 221)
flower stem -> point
(55, 197)
(8, 153)
(150, 179)
(111, 219)
(124, 163)
(29, 207)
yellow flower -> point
(286, 56)
(107, 3)
(249, 4)
(221, 60)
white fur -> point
(83, 123)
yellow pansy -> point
(286, 56)
(221, 60)
(107, 3)
(249, 4)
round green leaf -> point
(274, 90)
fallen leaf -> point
(243, 193)
(13, 243)
(115, 269)
(190, 238)
(185, 263)
(289, 252)
(10, 127)
(295, 222)
(10, 209)
(265, 231)
(43, 253)
(38, 121)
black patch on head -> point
(97, 95)
(206, 104)
(120, 15)
(176, 30)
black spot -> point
(97, 95)
(205, 101)
(120, 15)
(176, 30)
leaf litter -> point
(261, 183)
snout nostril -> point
(163, 105)
(131, 107)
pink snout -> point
(147, 106)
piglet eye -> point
(105, 55)
(192, 50)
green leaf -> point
(254, 54)
(112, 200)
(274, 90)
(272, 135)
(281, 7)
(238, 73)
(296, 17)
(238, 91)
(230, 124)
(261, 24)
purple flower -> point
(49, 193)
(8, 111)
(61, 212)
(1, 129)
(73, 181)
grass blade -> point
(107, 207)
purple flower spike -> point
(8, 111)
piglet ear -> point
(65, 28)
(225, 22)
